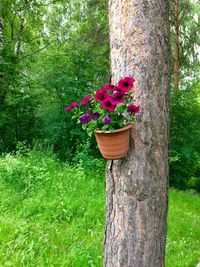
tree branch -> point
(37, 51)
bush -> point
(185, 139)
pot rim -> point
(115, 131)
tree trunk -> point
(136, 186)
(176, 46)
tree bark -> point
(136, 186)
(176, 46)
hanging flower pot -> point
(114, 145)
(109, 113)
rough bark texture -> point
(136, 186)
(176, 46)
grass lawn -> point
(53, 215)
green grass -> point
(52, 214)
(183, 239)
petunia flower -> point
(101, 96)
(85, 118)
(85, 100)
(117, 98)
(73, 105)
(126, 84)
(95, 116)
(108, 105)
(106, 120)
(110, 87)
(133, 109)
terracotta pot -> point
(114, 145)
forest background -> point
(55, 52)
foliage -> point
(185, 139)
(49, 58)
(55, 52)
(109, 108)
(52, 214)
(189, 40)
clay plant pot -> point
(114, 145)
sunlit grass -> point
(52, 214)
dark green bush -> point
(185, 139)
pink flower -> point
(73, 105)
(126, 84)
(117, 98)
(101, 96)
(85, 100)
(108, 105)
(133, 109)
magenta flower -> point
(133, 109)
(108, 105)
(101, 96)
(110, 87)
(85, 118)
(126, 84)
(95, 116)
(106, 120)
(117, 98)
(73, 105)
(85, 100)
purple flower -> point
(95, 116)
(85, 118)
(106, 120)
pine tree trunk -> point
(136, 186)
(176, 47)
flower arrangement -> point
(107, 109)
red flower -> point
(117, 98)
(108, 105)
(85, 100)
(126, 84)
(101, 96)
(133, 109)
(73, 105)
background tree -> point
(185, 38)
(135, 230)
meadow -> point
(52, 214)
